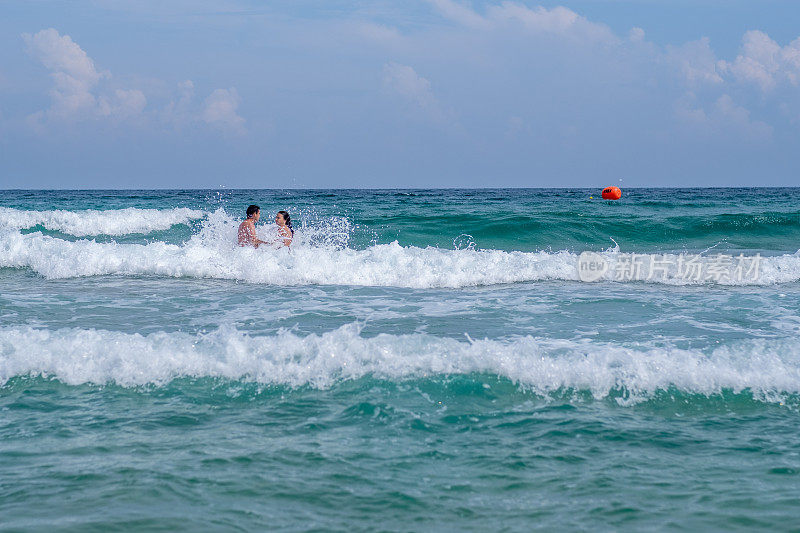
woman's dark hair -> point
(287, 219)
(252, 210)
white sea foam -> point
(212, 253)
(92, 222)
(766, 368)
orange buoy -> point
(612, 193)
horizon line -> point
(393, 188)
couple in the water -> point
(247, 229)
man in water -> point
(247, 229)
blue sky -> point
(428, 93)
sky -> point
(414, 93)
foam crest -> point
(769, 369)
(212, 253)
(93, 222)
(319, 257)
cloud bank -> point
(78, 95)
(441, 88)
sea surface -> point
(418, 360)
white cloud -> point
(75, 93)
(378, 33)
(220, 110)
(761, 62)
(696, 62)
(80, 94)
(636, 35)
(124, 104)
(72, 70)
(178, 112)
(460, 13)
(594, 58)
(724, 118)
(558, 20)
(765, 63)
(404, 80)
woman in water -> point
(285, 231)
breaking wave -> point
(767, 369)
(320, 256)
(91, 222)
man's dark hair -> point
(252, 210)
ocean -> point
(454, 360)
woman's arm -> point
(286, 233)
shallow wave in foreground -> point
(94, 222)
(769, 369)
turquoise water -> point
(420, 360)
